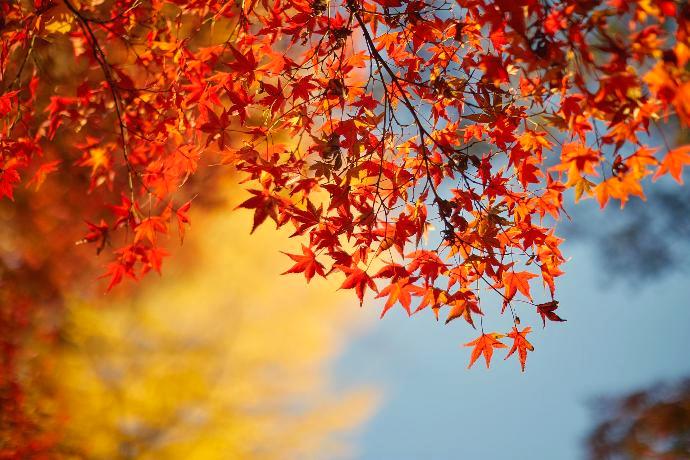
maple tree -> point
(420, 150)
(651, 423)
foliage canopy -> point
(364, 125)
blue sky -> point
(619, 336)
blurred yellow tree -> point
(222, 358)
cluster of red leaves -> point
(362, 124)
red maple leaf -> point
(305, 263)
(547, 311)
(358, 280)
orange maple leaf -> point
(464, 308)
(148, 228)
(673, 163)
(517, 281)
(520, 344)
(618, 188)
(400, 291)
(306, 263)
(485, 344)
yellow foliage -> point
(221, 358)
(62, 24)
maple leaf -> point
(215, 126)
(264, 205)
(8, 178)
(97, 232)
(428, 263)
(393, 271)
(520, 344)
(306, 263)
(517, 281)
(607, 189)
(153, 259)
(673, 163)
(148, 228)
(400, 291)
(116, 272)
(484, 345)
(583, 187)
(547, 310)
(244, 63)
(463, 308)
(183, 218)
(124, 212)
(433, 297)
(123, 266)
(42, 173)
(358, 280)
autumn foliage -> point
(421, 151)
(651, 423)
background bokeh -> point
(220, 358)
